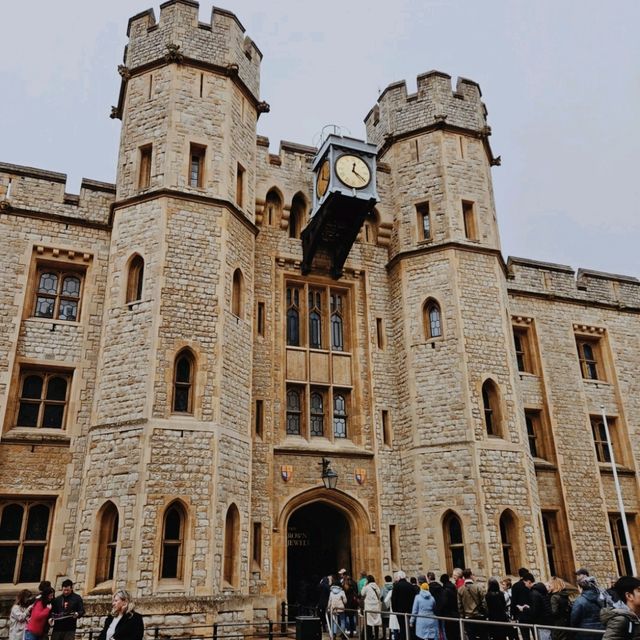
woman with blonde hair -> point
(123, 623)
(19, 613)
(560, 607)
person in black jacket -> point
(496, 609)
(541, 610)
(123, 623)
(402, 598)
(447, 606)
(65, 611)
(521, 601)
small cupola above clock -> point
(343, 198)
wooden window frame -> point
(509, 541)
(432, 330)
(522, 342)
(469, 220)
(173, 543)
(23, 542)
(231, 559)
(135, 279)
(62, 271)
(197, 158)
(46, 373)
(592, 366)
(492, 410)
(423, 213)
(182, 384)
(603, 455)
(452, 547)
(108, 523)
(240, 179)
(620, 545)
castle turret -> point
(173, 399)
(459, 414)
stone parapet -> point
(555, 280)
(178, 36)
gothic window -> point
(44, 398)
(144, 167)
(424, 221)
(171, 563)
(590, 357)
(454, 542)
(272, 208)
(240, 185)
(432, 320)
(24, 536)
(294, 411)
(231, 546)
(135, 278)
(107, 543)
(620, 543)
(183, 377)
(317, 413)
(58, 294)
(491, 408)
(339, 415)
(337, 311)
(508, 541)
(293, 316)
(196, 165)
(237, 294)
(296, 215)
(315, 319)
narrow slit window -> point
(259, 418)
(144, 170)
(239, 185)
(379, 333)
(386, 428)
(196, 165)
(469, 219)
(424, 220)
(260, 319)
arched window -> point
(317, 413)
(237, 294)
(297, 215)
(183, 376)
(454, 542)
(315, 319)
(293, 316)
(509, 542)
(432, 319)
(171, 563)
(337, 323)
(231, 546)
(135, 277)
(339, 416)
(272, 208)
(491, 407)
(107, 543)
(294, 412)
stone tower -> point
(177, 321)
(458, 416)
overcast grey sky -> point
(561, 80)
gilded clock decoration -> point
(353, 171)
(322, 183)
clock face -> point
(353, 171)
(322, 182)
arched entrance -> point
(318, 543)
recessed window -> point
(272, 208)
(135, 279)
(394, 544)
(424, 221)
(196, 165)
(259, 418)
(297, 215)
(620, 543)
(231, 546)
(107, 543)
(590, 356)
(237, 294)
(491, 407)
(340, 416)
(294, 411)
(144, 166)
(508, 541)
(534, 430)
(386, 428)
(432, 320)
(256, 546)
(522, 341)
(380, 342)
(240, 185)
(24, 537)
(603, 452)
(550, 538)
(44, 399)
(317, 405)
(454, 542)
(58, 293)
(171, 562)
(183, 377)
(469, 220)
(260, 319)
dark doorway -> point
(318, 544)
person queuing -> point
(19, 613)
(623, 624)
(37, 627)
(65, 611)
(123, 623)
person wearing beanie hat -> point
(426, 628)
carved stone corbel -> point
(173, 53)
(232, 69)
(124, 71)
(263, 107)
(5, 206)
(115, 113)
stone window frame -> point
(105, 554)
(369, 231)
(451, 546)
(197, 163)
(231, 546)
(618, 440)
(24, 540)
(256, 546)
(178, 507)
(432, 320)
(238, 293)
(424, 221)
(273, 207)
(190, 384)
(492, 413)
(618, 541)
(591, 351)
(135, 279)
(508, 528)
(524, 344)
(557, 543)
(538, 432)
(144, 166)
(470, 220)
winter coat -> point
(471, 601)
(402, 597)
(447, 603)
(17, 622)
(585, 613)
(423, 605)
(621, 624)
(337, 599)
(387, 587)
(561, 614)
(67, 622)
(130, 627)
(520, 595)
(540, 605)
(372, 605)
(496, 606)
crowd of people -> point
(423, 608)
(32, 617)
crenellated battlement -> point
(560, 281)
(435, 103)
(37, 191)
(179, 36)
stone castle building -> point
(170, 381)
